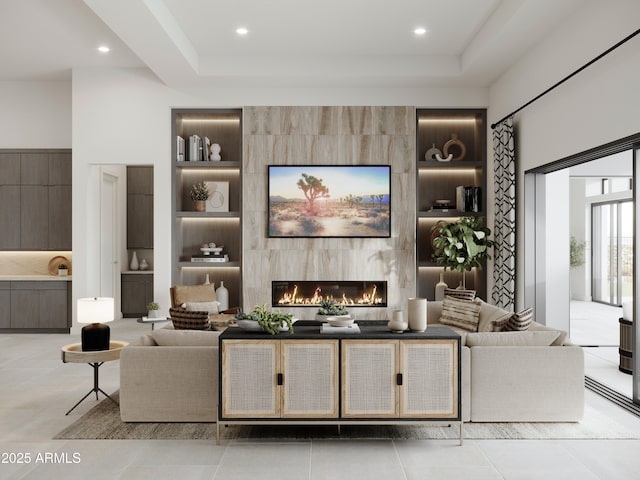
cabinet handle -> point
(399, 379)
(280, 379)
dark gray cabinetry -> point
(139, 207)
(38, 306)
(5, 304)
(35, 200)
(137, 292)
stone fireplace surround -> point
(331, 135)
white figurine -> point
(215, 152)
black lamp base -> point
(95, 337)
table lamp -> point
(95, 312)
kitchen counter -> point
(34, 278)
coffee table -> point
(73, 353)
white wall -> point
(35, 115)
(599, 105)
(122, 116)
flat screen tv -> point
(329, 201)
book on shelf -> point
(468, 199)
(206, 148)
(195, 148)
(179, 149)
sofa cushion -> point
(193, 293)
(209, 307)
(512, 339)
(183, 319)
(185, 338)
(460, 293)
(519, 321)
(460, 313)
(562, 335)
(492, 318)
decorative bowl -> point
(249, 325)
(340, 321)
(210, 250)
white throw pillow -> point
(210, 307)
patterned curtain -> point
(504, 251)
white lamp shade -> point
(95, 310)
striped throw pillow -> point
(519, 321)
(459, 313)
(462, 294)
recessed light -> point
(104, 49)
(242, 31)
(420, 31)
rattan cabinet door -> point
(369, 376)
(310, 383)
(429, 386)
(249, 378)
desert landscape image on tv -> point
(329, 201)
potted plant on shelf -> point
(153, 310)
(63, 270)
(199, 194)
(461, 245)
(261, 318)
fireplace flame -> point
(366, 298)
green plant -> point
(153, 306)
(269, 321)
(199, 191)
(576, 252)
(329, 307)
(461, 245)
(63, 266)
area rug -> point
(103, 422)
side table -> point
(153, 321)
(73, 353)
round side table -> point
(73, 353)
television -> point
(329, 201)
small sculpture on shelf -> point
(456, 144)
(215, 153)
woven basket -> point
(187, 320)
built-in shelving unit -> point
(192, 228)
(438, 180)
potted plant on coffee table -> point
(199, 194)
(461, 245)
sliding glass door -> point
(612, 250)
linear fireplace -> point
(311, 293)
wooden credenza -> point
(375, 376)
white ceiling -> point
(290, 42)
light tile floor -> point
(37, 389)
(595, 326)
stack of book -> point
(211, 257)
(197, 150)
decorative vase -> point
(206, 280)
(440, 286)
(199, 205)
(432, 152)
(143, 264)
(134, 265)
(222, 296)
(417, 314)
(397, 324)
(154, 314)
